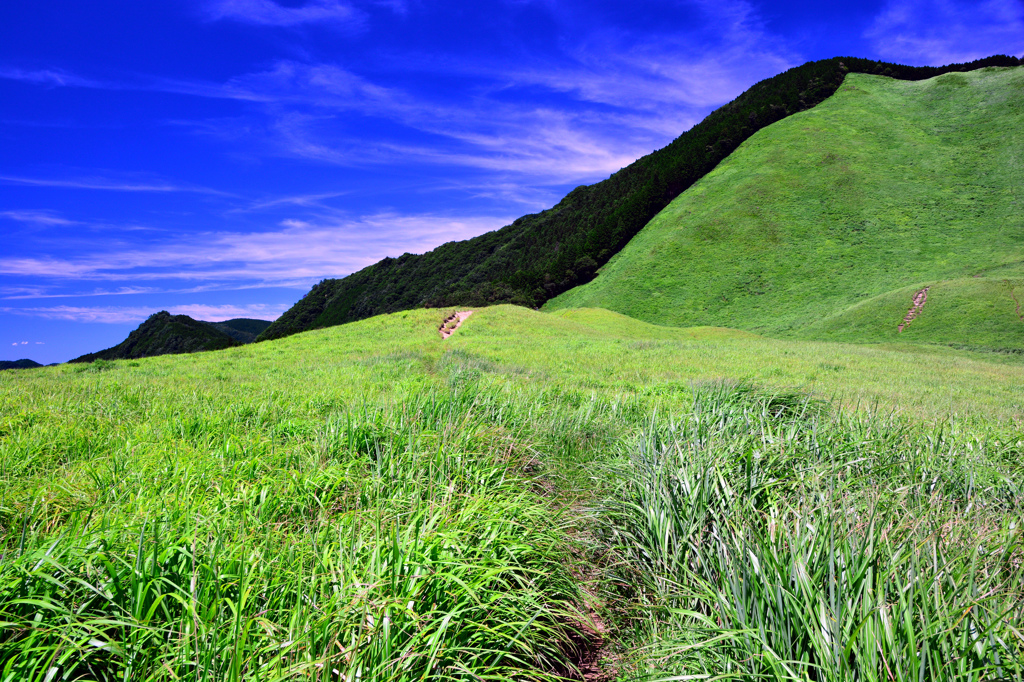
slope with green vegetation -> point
(241, 329)
(542, 255)
(373, 502)
(24, 363)
(164, 334)
(826, 225)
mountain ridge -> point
(24, 363)
(166, 334)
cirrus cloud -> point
(268, 12)
(130, 314)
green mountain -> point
(542, 255)
(828, 224)
(165, 334)
(242, 329)
(18, 364)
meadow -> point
(371, 502)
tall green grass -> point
(401, 542)
(369, 502)
(777, 540)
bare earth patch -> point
(452, 322)
(920, 298)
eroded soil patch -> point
(453, 322)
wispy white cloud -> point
(628, 94)
(300, 251)
(36, 293)
(106, 184)
(940, 32)
(36, 217)
(51, 77)
(270, 13)
(694, 69)
(129, 314)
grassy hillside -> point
(542, 255)
(827, 223)
(975, 312)
(372, 500)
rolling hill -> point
(242, 329)
(542, 255)
(24, 363)
(828, 224)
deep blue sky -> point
(218, 157)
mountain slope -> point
(242, 329)
(19, 364)
(165, 334)
(541, 255)
(889, 185)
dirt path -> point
(1016, 303)
(593, 650)
(453, 322)
(920, 298)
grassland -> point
(371, 502)
(825, 224)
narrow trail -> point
(593, 652)
(1015, 301)
(920, 298)
(591, 648)
(453, 322)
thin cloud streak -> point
(106, 184)
(51, 77)
(269, 13)
(36, 218)
(638, 93)
(300, 252)
(124, 315)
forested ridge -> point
(544, 254)
(165, 334)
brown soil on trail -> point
(594, 649)
(453, 322)
(591, 648)
(920, 298)
(1016, 303)
(588, 648)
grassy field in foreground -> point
(370, 502)
(885, 188)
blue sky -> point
(218, 157)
